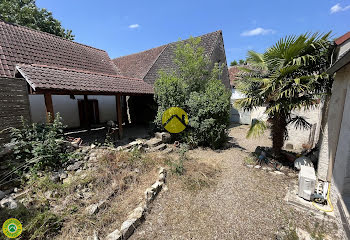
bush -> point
(40, 146)
(196, 88)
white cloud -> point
(257, 31)
(134, 26)
(337, 8)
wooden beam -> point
(119, 115)
(50, 115)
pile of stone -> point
(156, 144)
(136, 216)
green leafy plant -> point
(40, 146)
(195, 86)
(289, 76)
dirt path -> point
(244, 203)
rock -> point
(116, 235)
(120, 148)
(250, 166)
(153, 142)
(63, 175)
(75, 166)
(161, 177)
(92, 209)
(8, 202)
(137, 213)
(55, 177)
(168, 150)
(257, 166)
(164, 136)
(129, 226)
(149, 193)
(302, 161)
(160, 147)
(269, 169)
(93, 154)
(92, 146)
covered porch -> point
(78, 86)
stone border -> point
(136, 217)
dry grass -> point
(119, 179)
(123, 177)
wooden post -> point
(49, 107)
(86, 107)
(119, 115)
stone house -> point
(82, 82)
(334, 157)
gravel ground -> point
(244, 203)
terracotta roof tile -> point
(342, 39)
(138, 64)
(147, 64)
(42, 77)
(21, 45)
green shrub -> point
(40, 146)
(195, 87)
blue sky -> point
(125, 27)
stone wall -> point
(14, 103)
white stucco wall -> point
(68, 108)
(298, 137)
(341, 169)
(336, 113)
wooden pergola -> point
(50, 81)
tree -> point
(26, 13)
(288, 76)
(195, 87)
(241, 62)
(233, 63)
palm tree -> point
(288, 76)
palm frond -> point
(300, 123)
(257, 128)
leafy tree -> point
(233, 63)
(195, 87)
(241, 62)
(288, 76)
(26, 13)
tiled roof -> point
(21, 45)
(342, 39)
(41, 77)
(160, 58)
(137, 65)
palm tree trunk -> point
(278, 133)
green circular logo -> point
(12, 228)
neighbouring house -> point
(238, 115)
(81, 82)
(334, 157)
(298, 138)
